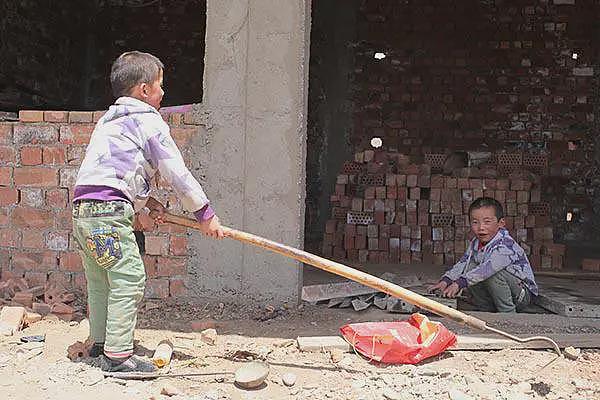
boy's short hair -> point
(487, 202)
(131, 68)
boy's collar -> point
(477, 245)
(132, 101)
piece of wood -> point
(322, 343)
(333, 267)
(493, 342)
(11, 319)
(567, 306)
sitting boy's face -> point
(485, 224)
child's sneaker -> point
(131, 364)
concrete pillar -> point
(252, 158)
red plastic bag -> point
(400, 342)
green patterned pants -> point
(114, 271)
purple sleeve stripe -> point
(204, 214)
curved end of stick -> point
(555, 346)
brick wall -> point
(39, 159)
(496, 76)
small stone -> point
(358, 384)
(572, 353)
(336, 355)
(289, 379)
(524, 387)
(581, 384)
(427, 372)
(170, 390)
(209, 336)
(392, 395)
(454, 394)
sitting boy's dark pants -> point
(501, 292)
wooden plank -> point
(322, 343)
(328, 291)
(568, 307)
(495, 342)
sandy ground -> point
(42, 371)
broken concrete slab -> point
(395, 305)
(11, 319)
(572, 353)
(335, 302)
(569, 306)
(316, 293)
(380, 302)
(360, 305)
(346, 303)
(322, 343)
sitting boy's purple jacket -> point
(130, 143)
(502, 252)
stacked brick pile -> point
(39, 159)
(388, 210)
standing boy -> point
(494, 269)
(130, 143)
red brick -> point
(170, 266)
(183, 136)
(36, 261)
(33, 239)
(348, 242)
(97, 115)
(7, 155)
(80, 282)
(68, 176)
(177, 287)
(6, 133)
(64, 220)
(9, 237)
(178, 245)
(23, 217)
(31, 116)
(8, 196)
(27, 134)
(56, 116)
(70, 261)
(150, 265)
(157, 289)
(31, 155)
(36, 278)
(35, 176)
(57, 198)
(76, 134)
(60, 278)
(4, 217)
(54, 155)
(589, 264)
(201, 325)
(81, 116)
(6, 176)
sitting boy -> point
(494, 269)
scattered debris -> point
(360, 305)
(252, 374)
(322, 343)
(289, 379)
(572, 353)
(336, 355)
(163, 353)
(80, 350)
(209, 336)
(11, 320)
(170, 390)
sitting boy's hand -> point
(441, 286)
(452, 290)
(157, 210)
(212, 228)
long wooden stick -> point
(358, 276)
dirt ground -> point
(42, 371)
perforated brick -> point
(435, 161)
(351, 168)
(359, 218)
(441, 220)
(372, 180)
(539, 209)
(536, 162)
